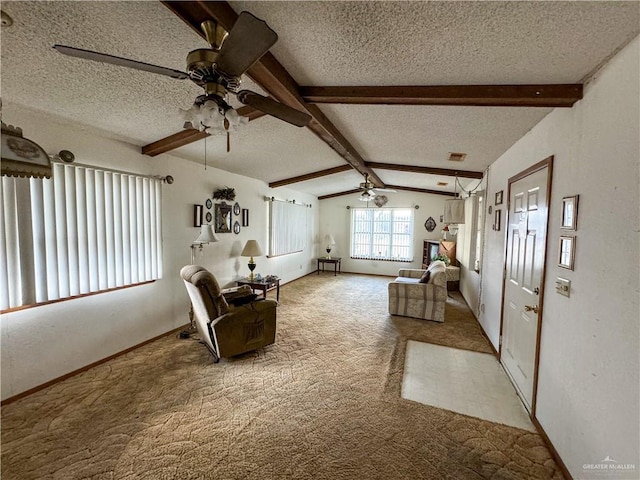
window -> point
(287, 227)
(382, 234)
(84, 230)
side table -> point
(336, 264)
(263, 286)
(453, 278)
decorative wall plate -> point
(380, 200)
(236, 227)
(430, 224)
(236, 209)
(209, 204)
(209, 217)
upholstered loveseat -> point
(409, 296)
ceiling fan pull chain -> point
(228, 142)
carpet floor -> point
(323, 402)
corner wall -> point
(46, 342)
(589, 372)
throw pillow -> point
(425, 277)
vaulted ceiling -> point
(401, 136)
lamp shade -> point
(22, 157)
(454, 211)
(206, 235)
(252, 249)
(329, 240)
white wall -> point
(43, 343)
(588, 398)
(335, 219)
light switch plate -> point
(563, 286)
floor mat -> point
(462, 381)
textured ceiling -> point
(320, 43)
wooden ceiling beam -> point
(426, 170)
(190, 135)
(310, 176)
(421, 190)
(394, 187)
(339, 194)
(561, 95)
(270, 75)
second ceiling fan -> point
(217, 70)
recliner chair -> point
(226, 330)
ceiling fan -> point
(369, 191)
(217, 70)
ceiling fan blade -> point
(249, 39)
(122, 62)
(273, 108)
(389, 190)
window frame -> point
(86, 230)
(380, 228)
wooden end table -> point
(334, 260)
(261, 285)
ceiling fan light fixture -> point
(365, 197)
(212, 115)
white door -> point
(526, 243)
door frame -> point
(546, 163)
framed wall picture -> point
(566, 251)
(197, 215)
(497, 219)
(570, 213)
(223, 218)
(236, 208)
(245, 217)
(499, 197)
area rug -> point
(323, 402)
(462, 381)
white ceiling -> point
(322, 44)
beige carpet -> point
(322, 403)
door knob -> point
(529, 308)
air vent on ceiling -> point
(442, 184)
(456, 157)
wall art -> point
(197, 215)
(566, 251)
(570, 213)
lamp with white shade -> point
(453, 212)
(329, 242)
(206, 236)
(251, 249)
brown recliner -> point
(228, 330)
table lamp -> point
(252, 249)
(330, 242)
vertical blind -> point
(83, 230)
(382, 234)
(287, 227)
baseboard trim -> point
(552, 449)
(87, 367)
